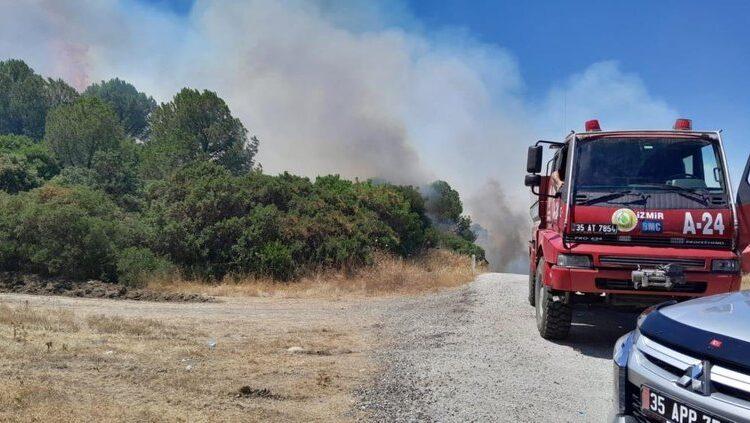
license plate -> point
(671, 410)
(594, 228)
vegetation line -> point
(108, 185)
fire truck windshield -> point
(659, 164)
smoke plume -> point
(506, 228)
(339, 87)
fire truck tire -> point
(553, 318)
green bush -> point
(136, 265)
(212, 223)
(17, 174)
(454, 242)
(113, 172)
(24, 163)
(66, 231)
(275, 259)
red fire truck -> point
(632, 218)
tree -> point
(16, 174)
(443, 203)
(464, 230)
(197, 126)
(25, 99)
(76, 132)
(116, 171)
(24, 164)
(37, 155)
(444, 208)
(131, 106)
(112, 171)
(22, 101)
(58, 92)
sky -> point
(693, 55)
(412, 90)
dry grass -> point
(130, 361)
(100, 366)
(389, 275)
(27, 318)
(746, 282)
(137, 327)
(226, 361)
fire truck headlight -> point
(725, 266)
(574, 260)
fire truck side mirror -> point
(534, 159)
(532, 180)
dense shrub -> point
(135, 265)
(24, 163)
(111, 171)
(454, 242)
(17, 174)
(214, 223)
(36, 154)
(211, 223)
(67, 231)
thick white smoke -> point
(339, 87)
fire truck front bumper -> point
(621, 270)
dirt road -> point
(474, 355)
(466, 354)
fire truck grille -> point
(625, 285)
(647, 262)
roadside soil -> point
(470, 353)
(243, 359)
(21, 283)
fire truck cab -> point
(633, 218)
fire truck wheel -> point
(552, 317)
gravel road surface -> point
(474, 355)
